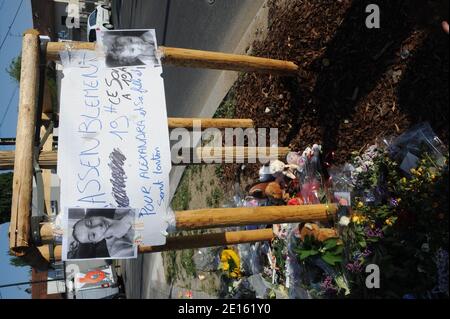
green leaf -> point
(330, 243)
(307, 253)
(338, 250)
(331, 259)
(362, 244)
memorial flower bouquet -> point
(398, 222)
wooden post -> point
(244, 216)
(211, 240)
(224, 61)
(53, 48)
(19, 229)
(241, 216)
(46, 232)
(196, 59)
(189, 242)
(46, 173)
(208, 155)
(48, 159)
(188, 123)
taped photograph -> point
(99, 233)
(129, 48)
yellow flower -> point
(413, 171)
(227, 256)
(399, 200)
(358, 219)
(404, 180)
(389, 221)
(360, 205)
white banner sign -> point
(114, 141)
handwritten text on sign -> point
(114, 141)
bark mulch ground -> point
(354, 84)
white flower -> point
(344, 221)
(368, 163)
(276, 167)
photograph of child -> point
(100, 233)
(129, 48)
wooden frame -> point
(22, 159)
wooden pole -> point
(223, 217)
(189, 242)
(244, 216)
(211, 240)
(19, 229)
(241, 216)
(196, 59)
(188, 123)
(46, 173)
(208, 155)
(48, 159)
(53, 48)
(224, 61)
(46, 232)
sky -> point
(10, 274)
(10, 35)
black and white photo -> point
(129, 48)
(100, 233)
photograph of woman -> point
(101, 233)
(129, 48)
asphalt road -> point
(215, 25)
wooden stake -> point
(224, 61)
(188, 123)
(47, 173)
(189, 242)
(209, 155)
(244, 216)
(211, 240)
(19, 229)
(48, 159)
(196, 59)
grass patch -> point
(170, 262)
(215, 198)
(219, 171)
(187, 262)
(182, 196)
(227, 109)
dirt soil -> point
(354, 84)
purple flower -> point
(374, 233)
(358, 255)
(394, 202)
(327, 285)
(354, 267)
(366, 253)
